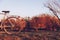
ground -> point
(41, 35)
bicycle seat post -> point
(5, 14)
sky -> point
(24, 8)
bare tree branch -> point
(53, 6)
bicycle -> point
(7, 25)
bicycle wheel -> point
(10, 26)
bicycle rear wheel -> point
(10, 26)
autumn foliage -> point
(44, 22)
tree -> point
(53, 6)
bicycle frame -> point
(2, 21)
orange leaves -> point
(44, 21)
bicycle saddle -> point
(6, 11)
